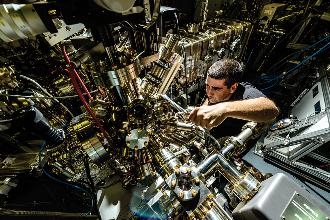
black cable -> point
(44, 97)
(287, 36)
(109, 184)
(208, 134)
(71, 185)
(213, 139)
(278, 63)
(62, 181)
(198, 5)
(92, 185)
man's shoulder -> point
(247, 84)
(250, 91)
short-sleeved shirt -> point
(232, 126)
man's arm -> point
(258, 109)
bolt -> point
(191, 216)
(173, 183)
(193, 192)
(181, 195)
(197, 180)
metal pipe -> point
(218, 158)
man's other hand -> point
(208, 116)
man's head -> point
(222, 80)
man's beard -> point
(211, 103)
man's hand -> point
(208, 116)
(258, 110)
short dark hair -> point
(228, 69)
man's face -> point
(217, 91)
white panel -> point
(113, 202)
(305, 107)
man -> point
(230, 104)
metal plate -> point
(281, 124)
(301, 208)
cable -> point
(73, 186)
(309, 57)
(269, 87)
(74, 77)
(73, 70)
(208, 134)
(88, 108)
(47, 93)
(213, 139)
(45, 97)
(6, 120)
(297, 52)
(277, 77)
(65, 183)
(198, 5)
(41, 149)
(307, 6)
(290, 32)
(287, 36)
(92, 185)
